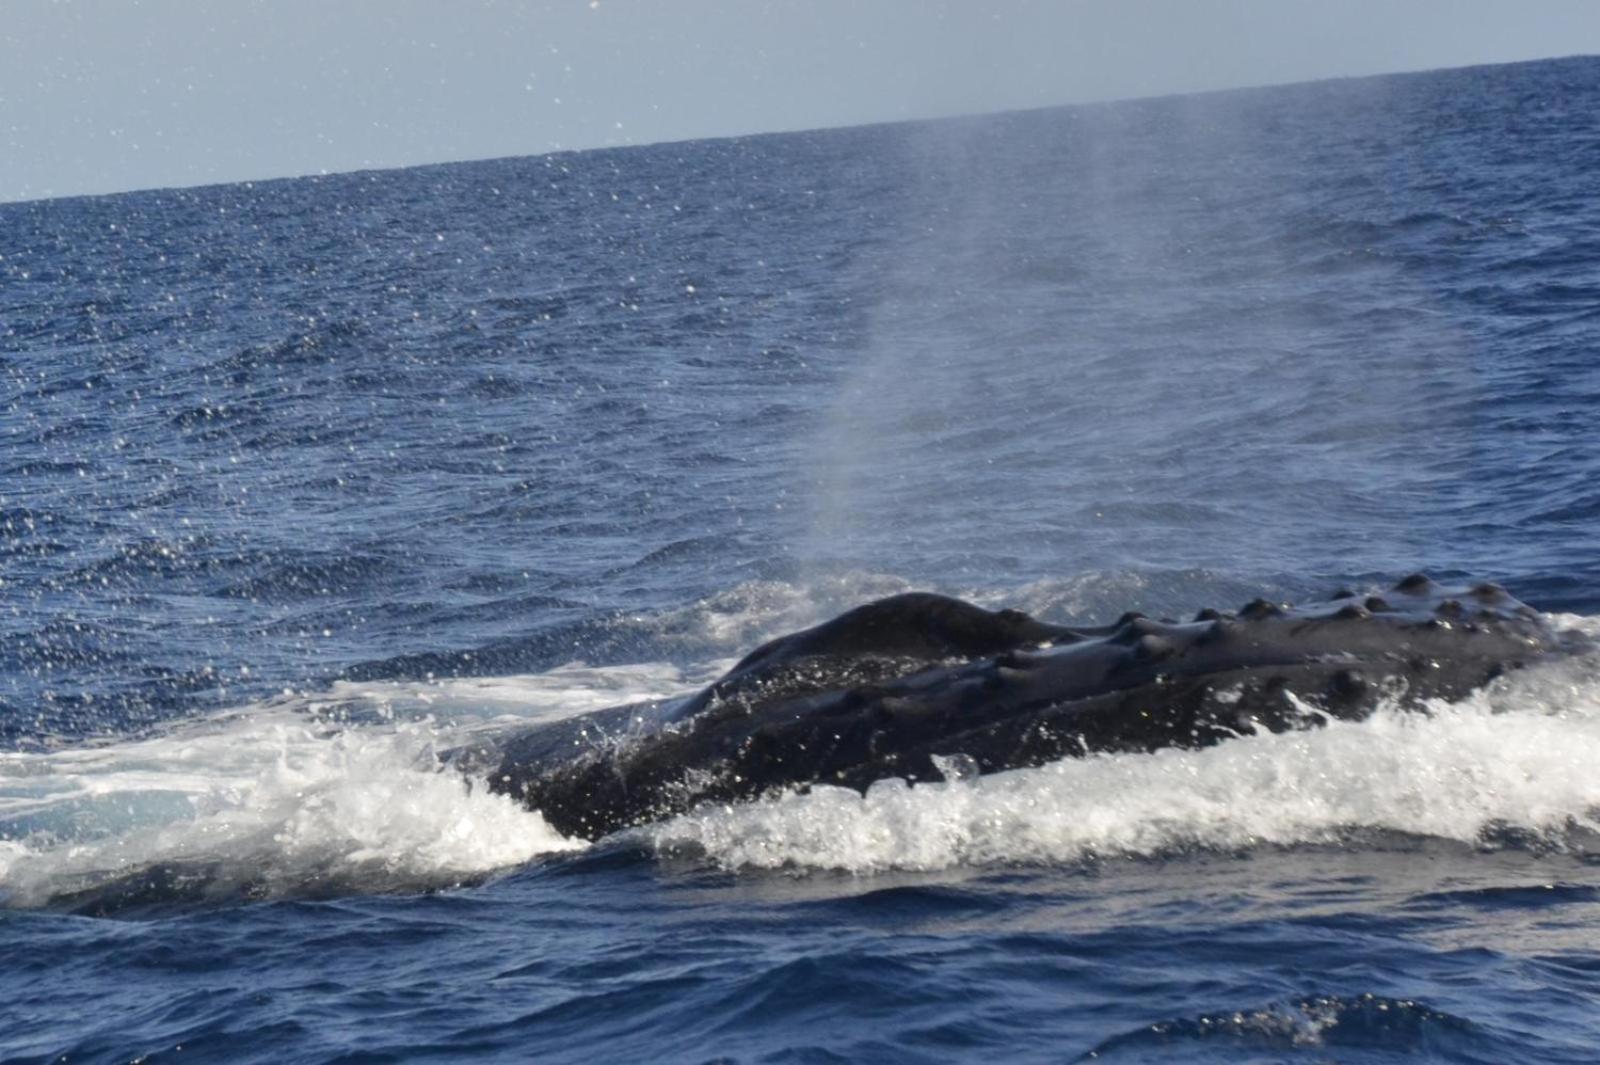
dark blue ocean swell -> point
(1098, 964)
(368, 436)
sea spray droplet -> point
(957, 768)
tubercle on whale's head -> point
(1418, 599)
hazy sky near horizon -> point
(124, 94)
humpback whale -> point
(920, 685)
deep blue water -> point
(302, 482)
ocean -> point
(304, 483)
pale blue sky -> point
(119, 94)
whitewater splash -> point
(342, 792)
(345, 791)
(1513, 761)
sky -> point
(109, 95)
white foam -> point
(1519, 756)
(340, 789)
(274, 797)
(280, 806)
(565, 691)
(738, 619)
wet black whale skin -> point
(881, 690)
